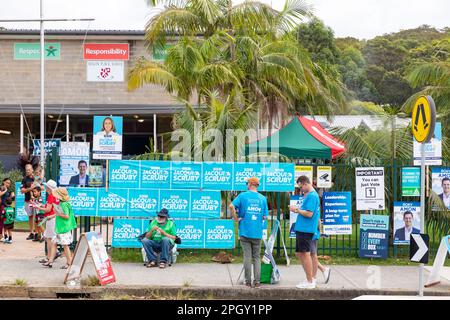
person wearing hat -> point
(160, 237)
(49, 218)
(249, 209)
(64, 224)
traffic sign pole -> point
(422, 210)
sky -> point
(363, 19)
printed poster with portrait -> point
(107, 136)
(440, 184)
(406, 221)
(102, 262)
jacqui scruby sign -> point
(106, 51)
(127, 176)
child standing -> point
(8, 216)
(38, 213)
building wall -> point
(66, 78)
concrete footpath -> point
(202, 281)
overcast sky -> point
(362, 19)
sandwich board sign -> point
(443, 251)
(91, 243)
(370, 188)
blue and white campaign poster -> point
(124, 174)
(21, 215)
(219, 234)
(112, 203)
(49, 144)
(244, 171)
(433, 149)
(107, 136)
(126, 231)
(296, 200)
(337, 213)
(84, 201)
(406, 221)
(71, 153)
(143, 203)
(217, 176)
(176, 202)
(186, 175)
(374, 236)
(205, 205)
(278, 176)
(440, 184)
(155, 174)
(192, 233)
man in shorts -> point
(26, 188)
(305, 227)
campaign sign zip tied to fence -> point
(97, 202)
(374, 236)
(224, 176)
(21, 215)
(337, 213)
(410, 181)
(194, 234)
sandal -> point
(162, 265)
(65, 267)
(151, 264)
(43, 260)
(48, 264)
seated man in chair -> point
(160, 237)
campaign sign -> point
(440, 184)
(186, 175)
(126, 231)
(374, 236)
(49, 144)
(155, 174)
(278, 177)
(433, 149)
(217, 176)
(71, 153)
(296, 200)
(205, 205)
(219, 234)
(143, 203)
(125, 174)
(370, 188)
(410, 182)
(112, 203)
(192, 233)
(337, 213)
(176, 201)
(107, 137)
(406, 221)
(21, 215)
(244, 171)
(84, 201)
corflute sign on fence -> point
(194, 234)
(337, 213)
(370, 188)
(374, 236)
(224, 176)
(97, 202)
(410, 182)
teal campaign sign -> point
(194, 234)
(411, 181)
(154, 174)
(217, 176)
(224, 176)
(97, 202)
(186, 175)
(142, 203)
(21, 215)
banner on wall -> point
(411, 182)
(200, 175)
(71, 153)
(194, 234)
(337, 213)
(406, 221)
(440, 184)
(374, 236)
(97, 202)
(107, 137)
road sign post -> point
(423, 122)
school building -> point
(77, 88)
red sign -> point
(106, 51)
(105, 273)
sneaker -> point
(8, 241)
(36, 237)
(306, 285)
(30, 236)
(326, 275)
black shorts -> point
(303, 241)
(9, 226)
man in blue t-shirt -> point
(252, 209)
(305, 227)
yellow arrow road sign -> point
(423, 119)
